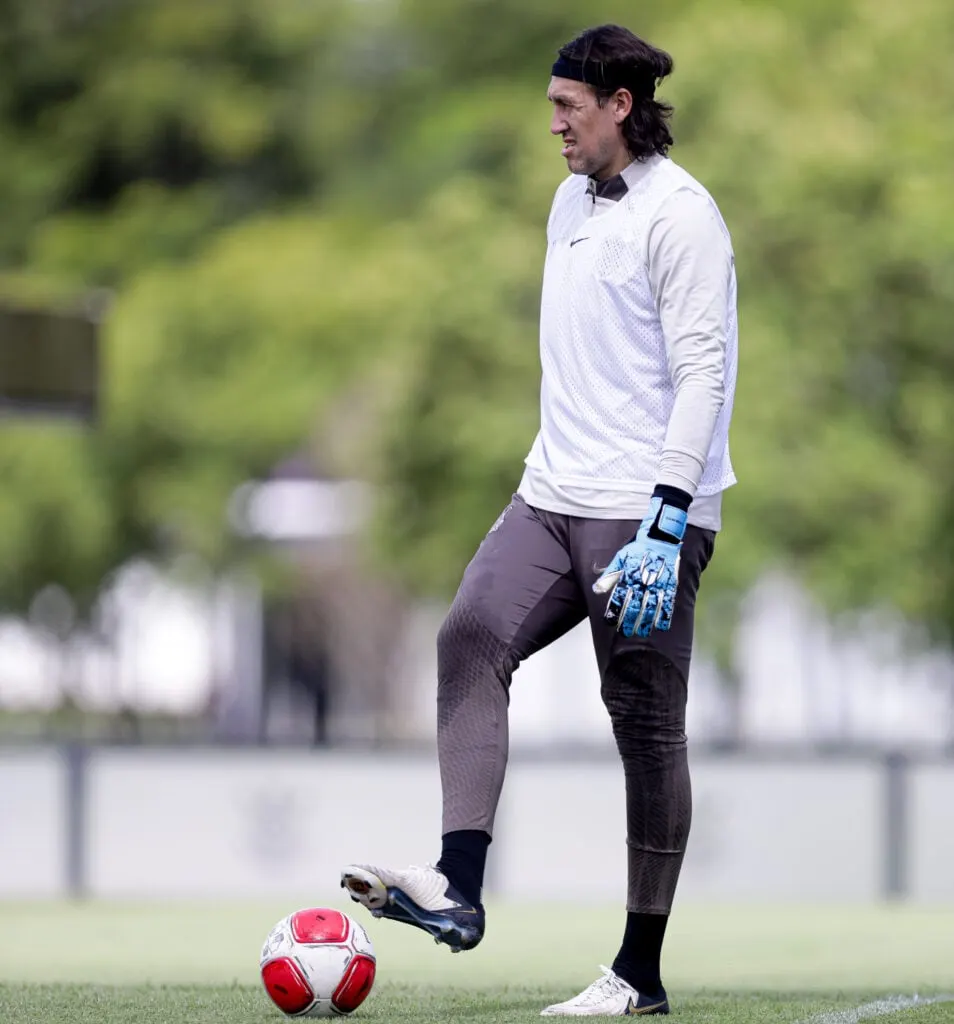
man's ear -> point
(622, 105)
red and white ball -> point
(317, 963)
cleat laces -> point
(602, 989)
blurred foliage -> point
(323, 224)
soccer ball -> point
(317, 963)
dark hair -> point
(624, 61)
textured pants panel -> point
(644, 688)
(474, 670)
(645, 695)
(518, 594)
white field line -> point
(878, 1008)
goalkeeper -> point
(615, 517)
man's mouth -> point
(568, 144)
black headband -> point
(602, 76)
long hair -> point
(621, 59)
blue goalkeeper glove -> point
(643, 577)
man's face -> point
(592, 139)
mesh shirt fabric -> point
(606, 391)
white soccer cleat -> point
(608, 996)
(421, 896)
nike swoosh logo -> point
(632, 1010)
(575, 240)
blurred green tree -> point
(822, 133)
(135, 137)
(326, 222)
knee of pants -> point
(645, 695)
(466, 645)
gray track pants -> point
(528, 584)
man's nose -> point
(558, 124)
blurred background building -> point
(297, 249)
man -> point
(616, 514)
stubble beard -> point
(590, 164)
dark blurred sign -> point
(49, 363)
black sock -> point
(463, 858)
(638, 958)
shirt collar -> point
(616, 187)
(610, 188)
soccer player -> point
(616, 514)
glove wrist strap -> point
(673, 496)
(669, 505)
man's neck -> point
(620, 162)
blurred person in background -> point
(614, 519)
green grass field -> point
(195, 963)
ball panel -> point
(279, 942)
(355, 985)
(324, 966)
(361, 940)
(321, 1008)
(287, 985)
(319, 925)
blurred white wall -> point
(33, 823)
(166, 824)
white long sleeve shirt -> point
(638, 340)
